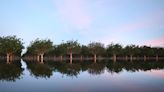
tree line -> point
(12, 46)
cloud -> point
(119, 33)
(143, 22)
(155, 42)
(74, 12)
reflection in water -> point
(10, 72)
(39, 70)
(13, 71)
(73, 70)
(96, 68)
(82, 76)
(134, 66)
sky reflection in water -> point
(85, 76)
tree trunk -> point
(70, 58)
(81, 58)
(95, 58)
(54, 57)
(148, 58)
(38, 58)
(61, 58)
(126, 58)
(114, 57)
(137, 58)
(144, 58)
(156, 57)
(131, 57)
(8, 58)
(42, 58)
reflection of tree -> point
(69, 69)
(115, 66)
(134, 66)
(65, 68)
(39, 70)
(96, 68)
(99, 67)
(144, 66)
(85, 64)
(10, 72)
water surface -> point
(85, 76)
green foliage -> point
(148, 51)
(114, 49)
(96, 48)
(84, 50)
(158, 51)
(61, 49)
(68, 47)
(40, 46)
(11, 44)
(131, 50)
(73, 46)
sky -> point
(139, 22)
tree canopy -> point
(114, 49)
(11, 45)
(40, 46)
(96, 48)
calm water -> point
(86, 76)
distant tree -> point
(131, 50)
(114, 49)
(158, 51)
(73, 47)
(146, 51)
(11, 45)
(70, 47)
(96, 48)
(61, 50)
(39, 47)
(84, 51)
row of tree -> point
(93, 49)
(11, 45)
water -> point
(85, 76)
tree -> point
(73, 47)
(131, 50)
(69, 47)
(84, 51)
(61, 50)
(39, 47)
(114, 49)
(11, 45)
(158, 51)
(96, 48)
(146, 51)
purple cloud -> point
(74, 12)
(155, 42)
